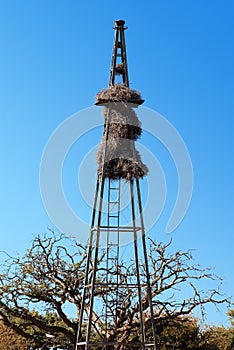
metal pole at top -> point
(119, 56)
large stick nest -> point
(121, 161)
(122, 122)
(117, 93)
(117, 156)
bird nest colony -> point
(117, 156)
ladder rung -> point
(119, 229)
(112, 228)
(114, 343)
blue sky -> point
(55, 56)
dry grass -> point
(122, 160)
(117, 93)
(123, 122)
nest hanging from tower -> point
(117, 156)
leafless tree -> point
(36, 288)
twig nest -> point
(122, 122)
(117, 93)
(121, 168)
(117, 156)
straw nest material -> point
(122, 122)
(117, 156)
(122, 160)
(117, 93)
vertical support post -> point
(91, 248)
(95, 265)
(97, 236)
(137, 264)
(124, 58)
(87, 266)
(149, 291)
(114, 58)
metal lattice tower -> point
(108, 287)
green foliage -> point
(36, 336)
(231, 316)
(217, 338)
(181, 333)
(10, 340)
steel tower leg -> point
(146, 262)
(137, 264)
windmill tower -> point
(109, 287)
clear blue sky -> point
(55, 56)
